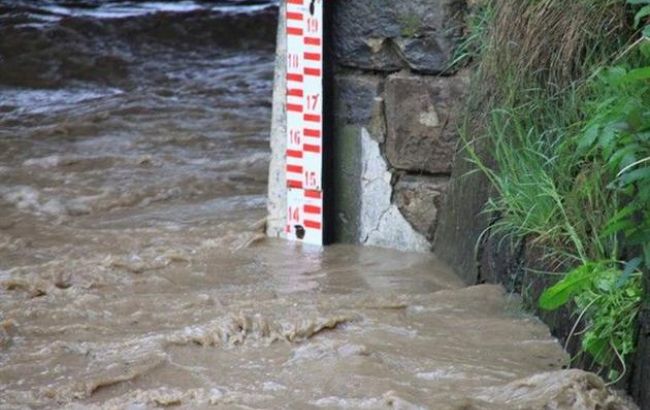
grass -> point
(559, 119)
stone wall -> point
(394, 105)
(394, 118)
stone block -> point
(419, 199)
(388, 35)
(422, 119)
(354, 97)
(427, 55)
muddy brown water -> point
(133, 269)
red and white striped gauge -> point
(304, 108)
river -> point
(134, 273)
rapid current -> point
(133, 269)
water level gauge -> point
(304, 108)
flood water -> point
(133, 269)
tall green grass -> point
(565, 142)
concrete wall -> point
(277, 193)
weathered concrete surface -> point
(462, 220)
(277, 193)
(346, 184)
(419, 199)
(422, 118)
(355, 103)
(388, 35)
(381, 222)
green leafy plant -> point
(476, 28)
(642, 14)
(567, 151)
(609, 299)
(616, 136)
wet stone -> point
(355, 97)
(419, 199)
(426, 55)
(422, 116)
(386, 36)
